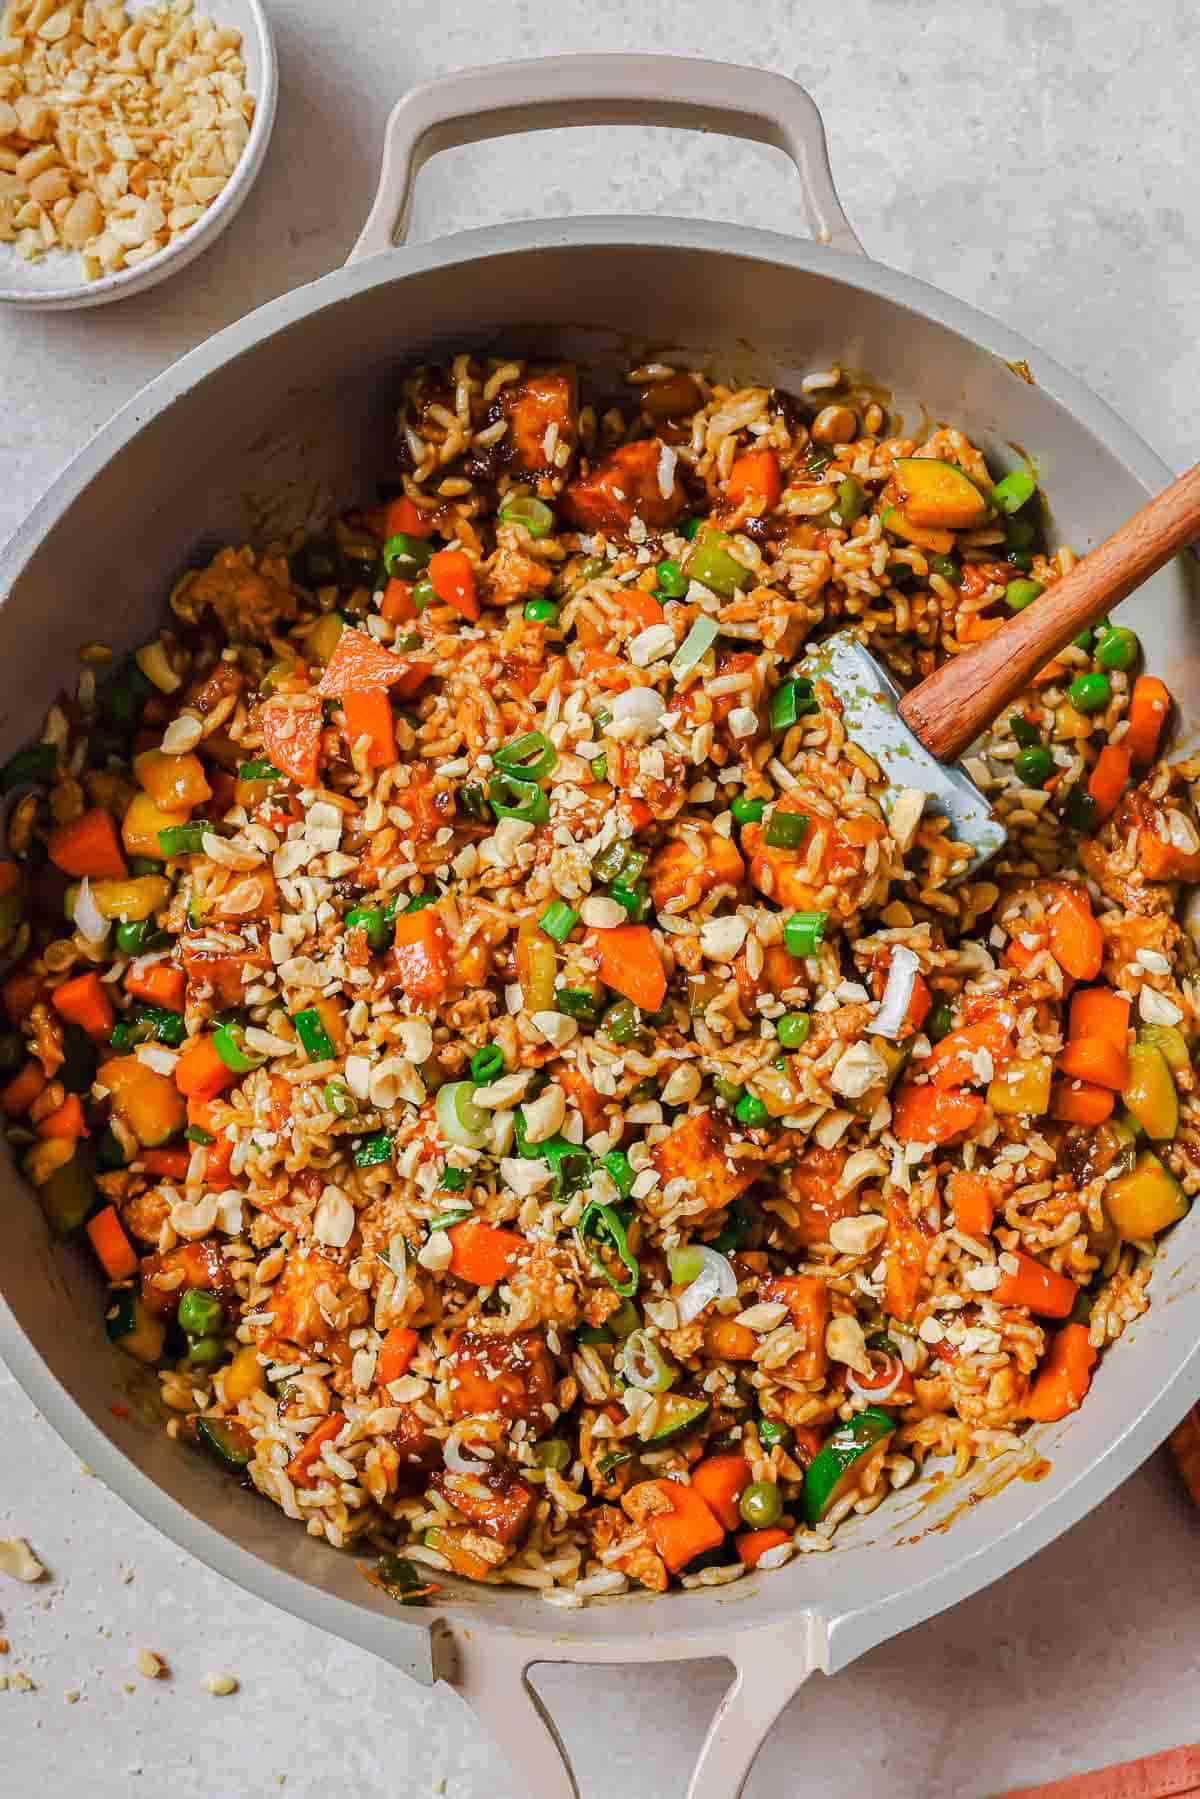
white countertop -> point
(1040, 160)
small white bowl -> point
(53, 283)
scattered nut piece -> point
(221, 1685)
(151, 1666)
(18, 1560)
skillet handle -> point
(770, 1667)
(554, 91)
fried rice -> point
(547, 1112)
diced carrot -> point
(170, 1164)
(299, 1469)
(641, 607)
(360, 664)
(452, 575)
(1054, 670)
(754, 476)
(1149, 704)
(1106, 783)
(397, 605)
(395, 1353)
(628, 961)
(1038, 1288)
(404, 515)
(1075, 1102)
(1100, 1012)
(117, 1255)
(687, 1530)
(200, 1072)
(21, 994)
(420, 954)
(905, 1257)
(291, 737)
(918, 1006)
(955, 1060)
(10, 878)
(806, 1297)
(720, 1481)
(730, 1341)
(1076, 940)
(929, 1114)
(752, 1545)
(1064, 1376)
(973, 1199)
(605, 670)
(482, 1253)
(23, 1089)
(66, 1122)
(159, 984)
(582, 1095)
(636, 811)
(1096, 1060)
(1018, 954)
(369, 715)
(976, 628)
(84, 1000)
(89, 845)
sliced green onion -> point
(369, 919)
(30, 767)
(369, 1152)
(419, 901)
(511, 797)
(773, 1434)
(229, 1041)
(792, 700)
(183, 840)
(1015, 490)
(453, 1180)
(787, 830)
(196, 1133)
(314, 1038)
(804, 932)
(622, 1022)
(400, 1580)
(793, 1028)
(599, 1224)
(644, 1365)
(534, 514)
(747, 812)
(635, 899)
(558, 920)
(446, 1221)
(339, 1100)
(623, 1176)
(541, 612)
(529, 757)
(473, 801)
(487, 1064)
(460, 1119)
(423, 595)
(1027, 735)
(577, 1002)
(695, 646)
(599, 767)
(260, 770)
(405, 556)
(850, 504)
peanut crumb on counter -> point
(150, 1665)
(220, 1685)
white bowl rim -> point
(208, 227)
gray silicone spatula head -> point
(870, 702)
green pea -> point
(746, 812)
(671, 579)
(1020, 594)
(939, 1021)
(206, 1352)
(760, 1504)
(793, 1028)
(1034, 767)
(1022, 559)
(1089, 693)
(750, 1110)
(200, 1314)
(946, 567)
(1117, 647)
(541, 612)
(729, 1091)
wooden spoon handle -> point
(949, 710)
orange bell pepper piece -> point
(755, 476)
(973, 1199)
(421, 954)
(752, 1545)
(1076, 941)
(933, 1114)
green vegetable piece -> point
(804, 932)
(229, 1041)
(690, 528)
(710, 562)
(131, 1327)
(1081, 1309)
(454, 1180)
(405, 556)
(552, 1452)
(787, 830)
(558, 920)
(423, 595)
(339, 1100)
(487, 1064)
(196, 1133)
(578, 1002)
(529, 757)
(729, 1091)
(746, 812)
(527, 510)
(370, 920)
(1027, 735)
(793, 1028)
(401, 1581)
(598, 767)
(206, 1352)
(70, 1193)
(622, 1022)
(30, 768)
(1020, 594)
(512, 797)
(184, 840)
(1117, 647)
(601, 1224)
(1015, 490)
(227, 1441)
(849, 505)
(791, 701)
(1019, 535)
(839, 1465)
(109, 1154)
(1141, 1204)
(672, 582)
(201, 1314)
(676, 1416)
(541, 612)
(623, 1176)
(1167, 1039)
(369, 1152)
(131, 935)
(946, 567)
(1151, 1095)
(760, 1505)
(644, 1365)
(635, 899)
(773, 1434)
(78, 1069)
(1090, 693)
(751, 1111)
(314, 1038)
(1080, 809)
(1034, 767)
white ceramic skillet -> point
(288, 412)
